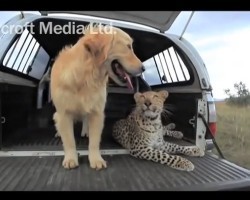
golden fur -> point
(78, 86)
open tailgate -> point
(123, 173)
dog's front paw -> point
(97, 162)
(70, 161)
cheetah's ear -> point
(137, 95)
(163, 94)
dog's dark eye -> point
(155, 96)
(129, 46)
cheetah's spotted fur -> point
(142, 133)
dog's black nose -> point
(143, 68)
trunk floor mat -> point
(123, 173)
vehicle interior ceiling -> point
(32, 128)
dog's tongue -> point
(126, 76)
(129, 84)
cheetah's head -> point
(150, 103)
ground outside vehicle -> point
(30, 155)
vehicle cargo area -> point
(32, 130)
(28, 128)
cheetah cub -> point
(142, 133)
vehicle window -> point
(165, 67)
(27, 56)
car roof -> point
(160, 20)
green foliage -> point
(241, 96)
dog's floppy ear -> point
(98, 45)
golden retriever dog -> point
(79, 79)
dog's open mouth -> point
(120, 72)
